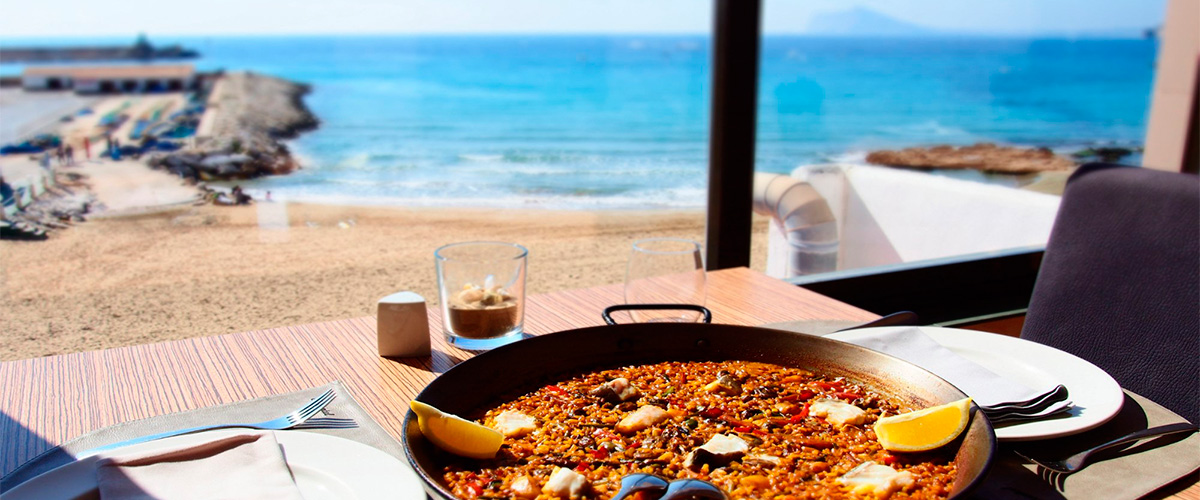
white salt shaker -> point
(403, 326)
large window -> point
(571, 129)
(910, 132)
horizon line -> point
(1130, 32)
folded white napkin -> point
(999, 397)
(242, 466)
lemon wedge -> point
(924, 430)
(456, 435)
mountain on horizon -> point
(865, 22)
(861, 21)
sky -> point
(39, 18)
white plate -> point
(325, 467)
(1096, 396)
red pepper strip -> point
(582, 467)
(743, 428)
(712, 412)
(760, 432)
(830, 386)
(600, 453)
(476, 488)
(847, 395)
(807, 394)
(804, 413)
(796, 419)
(558, 390)
(889, 459)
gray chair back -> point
(1120, 281)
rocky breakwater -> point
(241, 134)
(985, 157)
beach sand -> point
(205, 270)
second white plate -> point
(1096, 396)
(325, 467)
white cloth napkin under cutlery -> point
(1000, 398)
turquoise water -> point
(622, 121)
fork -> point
(293, 419)
(1079, 460)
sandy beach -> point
(150, 264)
(207, 270)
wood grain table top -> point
(47, 401)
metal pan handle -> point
(654, 307)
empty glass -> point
(665, 271)
(482, 290)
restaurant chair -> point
(1119, 284)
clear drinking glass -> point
(482, 289)
(665, 271)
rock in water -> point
(256, 112)
(985, 157)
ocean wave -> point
(357, 161)
(585, 172)
(681, 198)
(851, 157)
(480, 157)
(926, 129)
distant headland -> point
(141, 50)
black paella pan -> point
(507, 372)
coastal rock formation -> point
(251, 115)
(1111, 154)
(984, 156)
(141, 50)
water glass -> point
(665, 271)
(482, 289)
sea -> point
(622, 121)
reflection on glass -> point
(928, 134)
(665, 271)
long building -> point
(110, 79)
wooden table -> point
(47, 401)
(50, 400)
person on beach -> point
(87, 148)
(45, 161)
(6, 191)
(70, 155)
(116, 149)
(60, 155)
(107, 146)
(239, 197)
